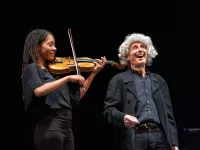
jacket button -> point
(129, 101)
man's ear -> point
(127, 57)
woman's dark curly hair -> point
(33, 40)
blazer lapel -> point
(154, 87)
(154, 83)
(129, 82)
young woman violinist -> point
(49, 101)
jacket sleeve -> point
(30, 81)
(113, 103)
(172, 122)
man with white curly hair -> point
(138, 102)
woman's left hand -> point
(99, 64)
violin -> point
(64, 65)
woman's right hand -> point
(76, 79)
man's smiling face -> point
(137, 54)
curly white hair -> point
(137, 37)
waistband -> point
(147, 127)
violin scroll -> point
(120, 65)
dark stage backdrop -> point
(90, 129)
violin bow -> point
(74, 54)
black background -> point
(97, 35)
